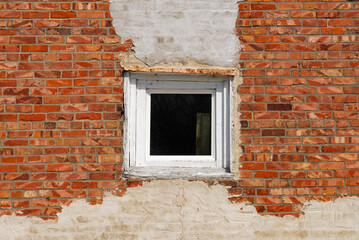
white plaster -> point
(164, 30)
(180, 209)
(236, 124)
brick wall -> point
(61, 104)
(299, 111)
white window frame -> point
(137, 159)
(144, 146)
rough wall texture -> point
(164, 30)
(187, 210)
(61, 105)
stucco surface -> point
(180, 209)
(177, 30)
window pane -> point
(180, 124)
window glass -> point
(180, 124)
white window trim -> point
(183, 161)
(137, 161)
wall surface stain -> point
(176, 30)
(180, 209)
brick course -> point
(61, 105)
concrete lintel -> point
(190, 66)
(207, 71)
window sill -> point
(176, 173)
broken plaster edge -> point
(180, 210)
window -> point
(177, 125)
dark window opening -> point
(180, 124)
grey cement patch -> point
(236, 124)
(180, 209)
(164, 30)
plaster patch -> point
(164, 30)
(180, 209)
(236, 124)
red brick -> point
(277, 47)
(315, 6)
(340, 6)
(20, 40)
(34, 48)
(290, 22)
(63, 14)
(331, 182)
(91, 14)
(52, 39)
(74, 22)
(251, 14)
(333, 30)
(303, 14)
(18, 108)
(44, 176)
(273, 132)
(278, 90)
(32, 168)
(78, 39)
(18, 6)
(269, 200)
(102, 176)
(60, 167)
(328, 166)
(243, 6)
(340, 22)
(266, 174)
(266, 115)
(263, 6)
(46, 6)
(34, 14)
(82, 185)
(78, 65)
(10, 14)
(89, 48)
(32, 117)
(31, 65)
(16, 176)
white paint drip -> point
(180, 209)
(166, 30)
